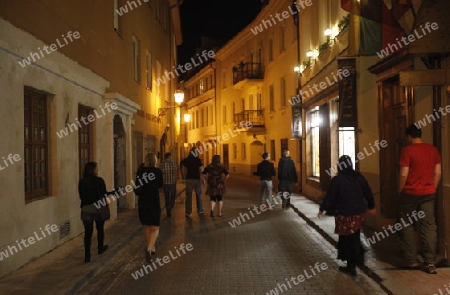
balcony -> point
(256, 117)
(247, 72)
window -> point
(202, 118)
(234, 109)
(250, 102)
(347, 142)
(149, 71)
(270, 50)
(243, 104)
(117, 21)
(244, 151)
(136, 59)
(284, 144)
(224, 79)
(202, 86)
(138, 149)
(271, 99)
(224, 114)
(197, 119)
(235, 151)
(283, 92)
(84, 138)
(206, 116)
(282, 45)
(272, 150)
(158, 9)
(315, 155)
(36, 145)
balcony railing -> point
(256, 117)
(249, 70)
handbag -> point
(103, 211)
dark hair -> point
(167, 155)
(216, 159)
(345, 165)
(413, 131)
(89, 168)
(265, 155)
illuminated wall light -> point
(328, 32)
(297, 69)
(310, 53)
(316, 53)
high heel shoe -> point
(103, 249)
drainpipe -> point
(437, 142)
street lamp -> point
(179, 97)
(187, 118)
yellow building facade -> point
(79, 83)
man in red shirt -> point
(420, 173)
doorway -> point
(396, 114)
(119, 159)
(226, 160)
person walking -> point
(91, 189)
(348, 198)
(287, 175)
(419, 176)
(169, 171)
(194, 167)
(216, 183)
(266, 170)
(150, 180)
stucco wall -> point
(67, 84)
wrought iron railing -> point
(256, 117)
(249, 70)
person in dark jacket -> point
(348, 198)
(287, 175)
(91, 189)
(193, 166)
(148, 202)
(265, 170)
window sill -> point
(313, 181)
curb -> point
(83, 281)
(371, 274)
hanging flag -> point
(373, 25)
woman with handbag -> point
(216, 183)
(91, 189)
(348, 198)
(150, 180)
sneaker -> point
(212, 214)
(188, 215)
(430, 268)
(201, 211)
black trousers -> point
(351, 249)
(89, 230)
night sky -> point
(214, 18)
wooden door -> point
(395, 114)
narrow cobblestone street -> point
(256, 257)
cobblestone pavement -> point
(260, 256)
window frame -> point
(30, 143)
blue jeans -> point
(170, 193)
(266, 190)
(193, 185)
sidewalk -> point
(68, 272)
(381, 257)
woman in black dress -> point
(91, 189)
(150, 180)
